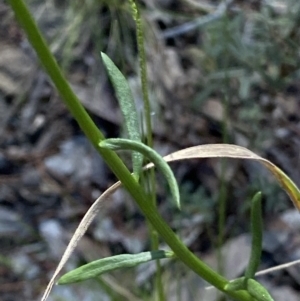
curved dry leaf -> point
(237, 152)
(195, 152)
(80, 231)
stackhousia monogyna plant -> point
(245, 288)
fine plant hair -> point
(245, 288)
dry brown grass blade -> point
(237, 152)
(196, 152)
(80, 231)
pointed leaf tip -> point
(127, 106)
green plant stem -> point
(143, 70)
(222, 202)
(149, 140)
(256, 231)
(114, 162)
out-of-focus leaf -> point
(258, 291)
(255, 289)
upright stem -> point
(223, 195)
(149, 138)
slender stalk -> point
(143, 69)
(222, 202)
(93, 133)
(256, 231)
(149, 140)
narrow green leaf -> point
(127, 106)
(236, 285)
(257, 291)
(256, 229)
(254, 288)
(104, 265)
(152, 155)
